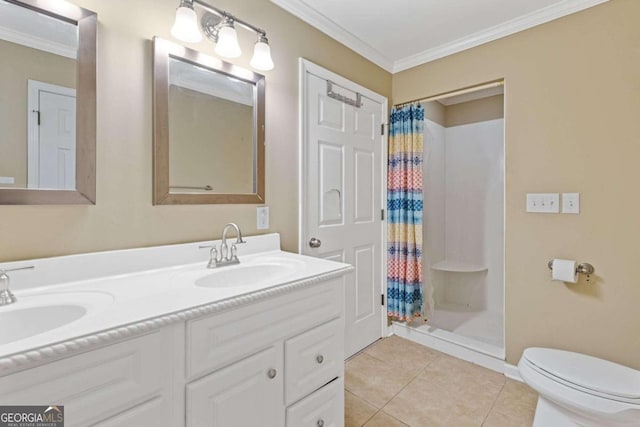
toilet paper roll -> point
(564, 270)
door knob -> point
(271, 373)
(315, 243)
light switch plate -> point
(571, 203)
(543, 202)
(263, 218)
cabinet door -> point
(95, 385)
(247, 393)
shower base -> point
(476, 336)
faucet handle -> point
(3, 271)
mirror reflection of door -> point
(52, 136)
(38, 77)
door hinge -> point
(38, 113)
(382, 299)
(382, 129)
(382, 214)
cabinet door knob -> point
(319, 358)
(320, 423)
(272, 373)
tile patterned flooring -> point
(398, 383)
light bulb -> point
(227, 45)
(261, 59)
(185, 27)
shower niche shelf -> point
(458, 267)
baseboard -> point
(512, 371)
(449, 348)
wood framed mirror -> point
(48, 82)
(208, 129)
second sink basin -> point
(245, 275)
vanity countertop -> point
(120, 305)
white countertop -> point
(122, 299)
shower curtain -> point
(404, 206)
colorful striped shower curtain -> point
(404, 206)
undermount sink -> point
(25, 322)
(39, 313)
(245, 275)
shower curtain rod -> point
(453, 93)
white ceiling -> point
(400, 34)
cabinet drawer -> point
(94, 385)
(324, 408)
(216, 341)
(313, 358)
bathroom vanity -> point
(154, 338)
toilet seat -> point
(587, 374)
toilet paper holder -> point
(583, 268)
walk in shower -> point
(463, 252)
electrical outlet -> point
(571, 203)
(262, 218)
(543, 202)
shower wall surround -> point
(464, 229)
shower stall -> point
(463, 252)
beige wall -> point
(478, 110)
(435, 112)
(210, 142)
(25, 64)
(560, 138)
(124, 216)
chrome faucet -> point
(6, 296)
(226, 256)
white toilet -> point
(579, 390)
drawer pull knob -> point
(320, 359)
(272, 373)
(320, 423)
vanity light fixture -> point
(220, 27)
(185, 27)
(262, 54)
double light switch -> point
(550, 203)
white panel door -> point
(52, 136)
(343, 172)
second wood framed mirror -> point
(208, 129)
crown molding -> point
(521, 23)
(314, 18)
(317, 20)
(38, 43)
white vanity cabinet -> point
(272, 360)
(249, 366)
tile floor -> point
(398, 383)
